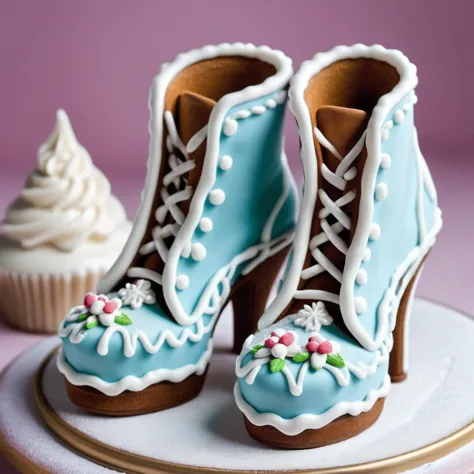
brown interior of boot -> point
(348, 84)
(351, 83)
(214, 78)
(200, 85)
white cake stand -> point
(425, 418)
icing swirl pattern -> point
(66, 201)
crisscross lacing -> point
(179, 169)
(330, 232)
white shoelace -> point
(339, 179)
(176, 176)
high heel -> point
(217, 214)
(317, 371)
(398, 364)
(250, 297)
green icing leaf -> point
(276, 365)
(256, 348)
(123, 319)
(92, 324)
(335, 360)
(302, 357)
(83, 316)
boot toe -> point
(151, 348)
(326, 377)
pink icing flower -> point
(279, 345)
(103, 308)
(320, 348)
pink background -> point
(97, 60)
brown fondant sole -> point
(157, 397)
(342, 428)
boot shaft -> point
(369, 212)
(219, 196)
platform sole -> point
(157, 397)
(342, 428)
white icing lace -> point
(339, 179)
(176, 176)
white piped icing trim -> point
(274, 84)
(378, 129)
(231, 126)
(131, 382)
(214, 295)
(75, 332)
(295, 426)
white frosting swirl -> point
(66, 201)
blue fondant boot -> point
(216, 221)
(318, 370)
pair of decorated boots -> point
(217, 221)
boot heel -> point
(250, 295)
(398, 364)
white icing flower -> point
(320, 348)
(311, 318)
(135, 294)
(99, 308)
(279, 345)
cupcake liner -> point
(38, 303)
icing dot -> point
(350, 174)
(385, 134)
(360, 304)
(230, 127)
(182, 282)
(205, 224)
(375, 231)
(399, 116)
(225, 163)
(198, 252)
(386, 161)
(367, 254)
(388, 125)
(186, 250)
(258, 109)
(217, 197)
(381, 191)
(362, 277)
(271, 103)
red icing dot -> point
(287, 339)
(101, 298)
(313, 339)
(269, 343)
(275, 334)
(325, 347)
(312, 346)
(110, 307)
(89, 300)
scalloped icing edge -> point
(131, 382)
(306, 421)
(279, 80)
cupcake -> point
(60, 236)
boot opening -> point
(214, 78)
(350, 83)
